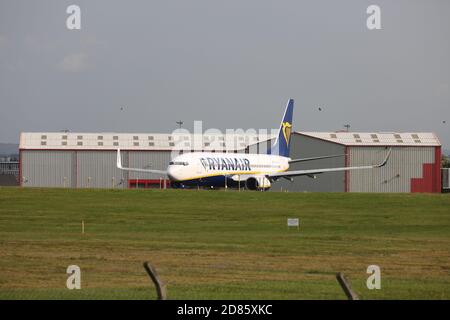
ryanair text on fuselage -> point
(219, 163)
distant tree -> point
(445, 162)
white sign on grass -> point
(293, 222)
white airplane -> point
(252, 171)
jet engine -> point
(257, 183)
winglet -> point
(385, 159)
(119, 160)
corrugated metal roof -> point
(377, 138)
(137, 141)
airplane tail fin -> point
(281, 145)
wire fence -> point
(9, 167)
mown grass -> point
(222, 245)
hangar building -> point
(414, 165)
(88, 160)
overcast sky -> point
(139, 66)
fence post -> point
(160, 286)
(345, 284)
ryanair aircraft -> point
(232, 170)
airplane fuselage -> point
(224, 169)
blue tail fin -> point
(282, 143)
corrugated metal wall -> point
(87, 169)
(404, 164)
(97, 169)
(304, 147)
(42, 168)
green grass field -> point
(222, 245)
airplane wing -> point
(119, 166)
(316, 158)
(311, 172)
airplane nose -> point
(171, 173)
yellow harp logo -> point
(287, 128)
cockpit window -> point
(178, 163)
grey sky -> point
(232, 64)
